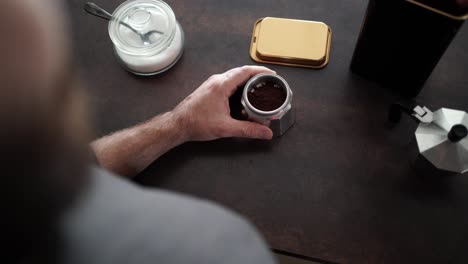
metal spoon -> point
(98, 11)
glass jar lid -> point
(142, 27)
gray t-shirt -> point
(116, 221)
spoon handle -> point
(96, 10)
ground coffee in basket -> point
(267, 96)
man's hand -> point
(205, 114)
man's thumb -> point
(247, 129)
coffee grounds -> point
(267, 96)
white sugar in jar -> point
(147, 37)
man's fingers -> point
(238, 76)
(247, 129)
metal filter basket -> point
(279, 120)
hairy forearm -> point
(204, 115)
(130, 151)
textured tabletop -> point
(339, 185)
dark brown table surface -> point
(339, 185)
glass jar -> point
(146, 35)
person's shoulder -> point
(199, 231)
(149, 224)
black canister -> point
(401, 41)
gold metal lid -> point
(291, 42)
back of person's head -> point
(43, 132)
